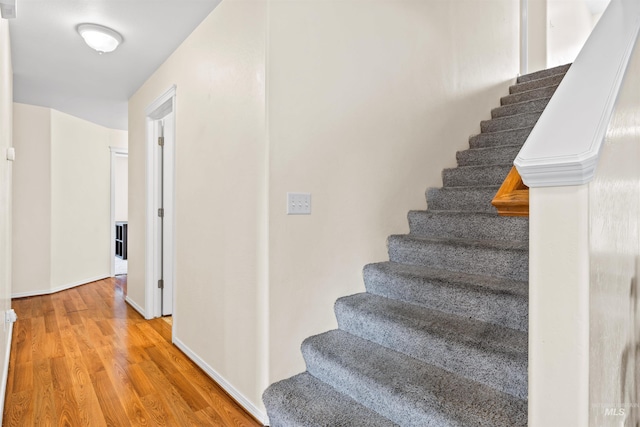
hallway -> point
(83, 357)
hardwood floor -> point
(83, 357)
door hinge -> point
(161, 141)
(161, 213)
(161, 284)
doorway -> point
(119, 210)
(160, 226)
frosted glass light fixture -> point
(100, 38)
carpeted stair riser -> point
(467, 199)
(468, 225)
(505, 137)
(488, 156)
(489, 354)
(304, 400)
(475, 175)
(530, 95)
(543, 73)
(537, 105)
(496, 258)
(405, 390)
(511, 122)
(537, 84)
(488, 299)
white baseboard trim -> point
(222, 382)
(5, 372)
(135, 306)
(58, 288)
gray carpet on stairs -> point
(439, 338)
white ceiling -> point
(53, 67)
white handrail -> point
(564, 145)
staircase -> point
(439, 338)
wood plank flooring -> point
(83, 357)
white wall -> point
(569, 25)
(80, 200)
(220, 183)
(557, 30)
(365, 106)
(31, 198)
(6, 108)
(63, 200)
(614, 250)
(537, 24)
(121, 171)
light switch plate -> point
(298, 203)
(11, 154)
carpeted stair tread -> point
(472, 199)
(551, 80)
(533, 106)
(490, 257)
(482, 244)
(543, 92)
(487, 156)
(516, 121)
(465, 176)
(480, 351)
(305, 401)
(468, 225)
(489, 299)
(405, 390)
(543, 73)
(505, 137)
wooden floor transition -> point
(83, 357)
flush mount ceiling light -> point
(100, 38)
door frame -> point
(158, 109)
(115, 152)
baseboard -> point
(222, 382)
(58, 288)
(5, 372)
(134, 305)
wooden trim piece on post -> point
(512, 199)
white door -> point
(160, 242)
(167, 221)
(164, 135)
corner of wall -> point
(6, 167)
